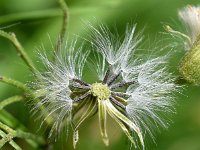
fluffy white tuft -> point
(115, 50)
(190, 16)
(151, 96)
(99, 64)
(52, 85)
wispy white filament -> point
(190, 16)
(117, 51)
(52, 85)
(151, 96)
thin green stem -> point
(12, 122)
(20, 50)
(64, 8)
(25, 89)
(6, 128)
(21, 134)
(14, 83)
(169, 29)
(6, 138)
(10, 100)
(26, 135)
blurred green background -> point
(34, 20)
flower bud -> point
(190, 65)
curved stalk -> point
(65, 19)
(20, 50)
(10, 100)
(14, 83)
(18, 134)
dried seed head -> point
(132, 92)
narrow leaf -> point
(126, 120)
(102, 120)
(124, 128)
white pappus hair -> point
(190, 16)
(52, 85)
(151, 95)
(132, 90)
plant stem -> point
(25, 89)
(10, 100)
(20, 134)
(14, 83)
(64, 8)
(19, 48)
(33, 137)
(12, 122)
(9, 136)
(6, 138)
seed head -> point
(131, 90)
(190, 63)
